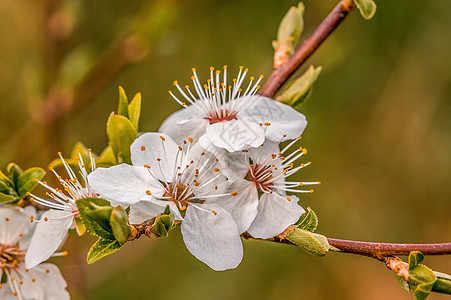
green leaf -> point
(300, 90)
(95, 214)
(421, 281)
(27, 181)
(121, 134)
(81, 149)
(164, 222)
(443, 283)
(292, 25)
(14, 171)
(119, 224)
(7, 186)
(123, 103)
(106, 158)
(367, 8)
(309, 222)
(4, 198)
(313, 243)
(404, 285)
(415, 257)
(102, 248)
(79, 226)
(134, 110)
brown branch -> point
(308, 47)
(381, 250)
(375, 250)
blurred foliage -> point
(379, 134)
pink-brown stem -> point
(308, 47)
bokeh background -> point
(378, 135)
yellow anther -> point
(304, 151)
(261, 76)
(225, 67)
(175, 82)
(59, 153)
(301, 183)
(148, 192)
(143, 148)
(212, 69)
(46, 219)
(234, 193)
(288, 198)
(311, 191)
(187, 87)
(193, 69)
(7, 219)
(216, 169)
(190, 139)
(245, 70)
(319, 182)
(162, 137)
(183, 207)
(214, 212)
(251, 78)
(267, 123)
(170, 92)
(146, 166)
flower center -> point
(262, 176)
(180, 194)
(224, 115)
(10, 257)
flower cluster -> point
(216, 165)
(40, 282)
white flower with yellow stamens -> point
(234, 118)
(262, 206)
(52, 229)
(186, 178)
(42, 282)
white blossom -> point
(42, 282)
(186, 178)
(233, 117)
(52, 228)
(262, 206)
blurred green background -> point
(378, 135)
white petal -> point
(124, 184)
(183, 124)
(275, 214)
(213, 239)
(14, 222)
(260, 154)
(148, 209)
(49, 284)
(48, 236)
(242, 207)
(148, 148)
(284, 119)
(237, 134)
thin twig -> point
(375, 250)
(308, 47)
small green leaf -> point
(404, 285)
(7, 186)
(79, 226)
(443, 283)
(121, 134)
(300, 90)
(106, 158)
(134, 110)
(367, 8)
(309, 222)
(313, 243)
(421, 281)
(14, 171)
(119, 224)
(123, 103)
(26, 181)
(95, 214)
(415, 257)
(102, 248)
(292, 25)
(4, 198)
(81, 149)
